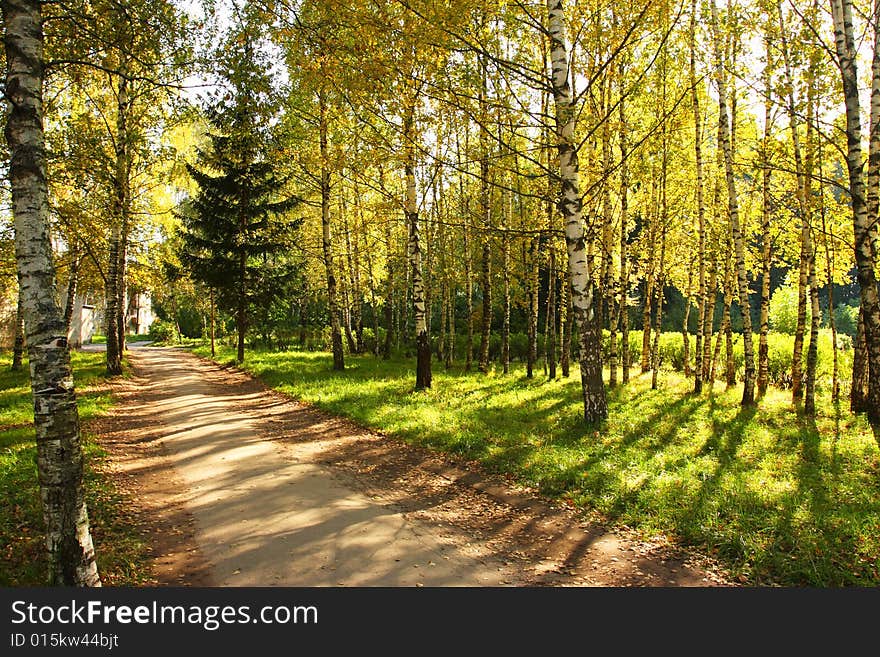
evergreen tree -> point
(237, 237)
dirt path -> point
(241, 486)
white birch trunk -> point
(748, 397)
(414, 254)
(71, 554)
(701, 207)
(865, 211)
(583, 301)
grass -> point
(777, 497)
(98, 338)
(120, 550)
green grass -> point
(121, 552)
(775, 496)
(97, 338)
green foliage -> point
(780, 351)
(783, 312)
(121, 551)
(238, 237)
(775, 496)
(163, 332)
(846, 318)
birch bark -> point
(583, 294)
(865, 210)
(71, 554)
(326, 245)
(414, 254)
(748, 397)
(701, 207)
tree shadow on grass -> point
(822, 528)
(708, 499)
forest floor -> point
(239, 485)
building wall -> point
(140, 313)
(82, 323)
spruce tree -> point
(237, 236)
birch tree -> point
(748, 397)
(71, 554)
(582, 291)
(701, 204)
(865, 209)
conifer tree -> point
(237, 237)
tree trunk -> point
(371, 279)
(766, 246)
(550, 318)
(389, 293)
(865, 211)
(651, 230)
(613, 319)
(347, 286)
(685, 332)
(661, 278)
(797, 376)
(450, 347)
(414, 254)
(730, 366)
(531, 268)
(444, 314)
(623, 304)
(646, 322)
(609, 283)
(18, 345)
(72, 283)
(241, 311)
(858, 395)
(468, 267)
(828, 236)
(113, 353)
(812, 280)
(332, 304)
(71, 554)
(716, 354)
(442, 276)
(356, 297)
(121, 287)
(485, 220)
(486, 319)
(658, 325)
(123, 187)
(213, 322)
(748, 397)
(505, 267)
(566, 324)
(582, 291)
(709, 326)
(813, 348)
(701, 351)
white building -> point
(139, 313)
(82, 322)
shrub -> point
(846, 318)
(783, 309)
(162, 331)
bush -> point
(846, 318)
(162, 331)
(784, 308)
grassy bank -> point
(120, 551)
(777, 497)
